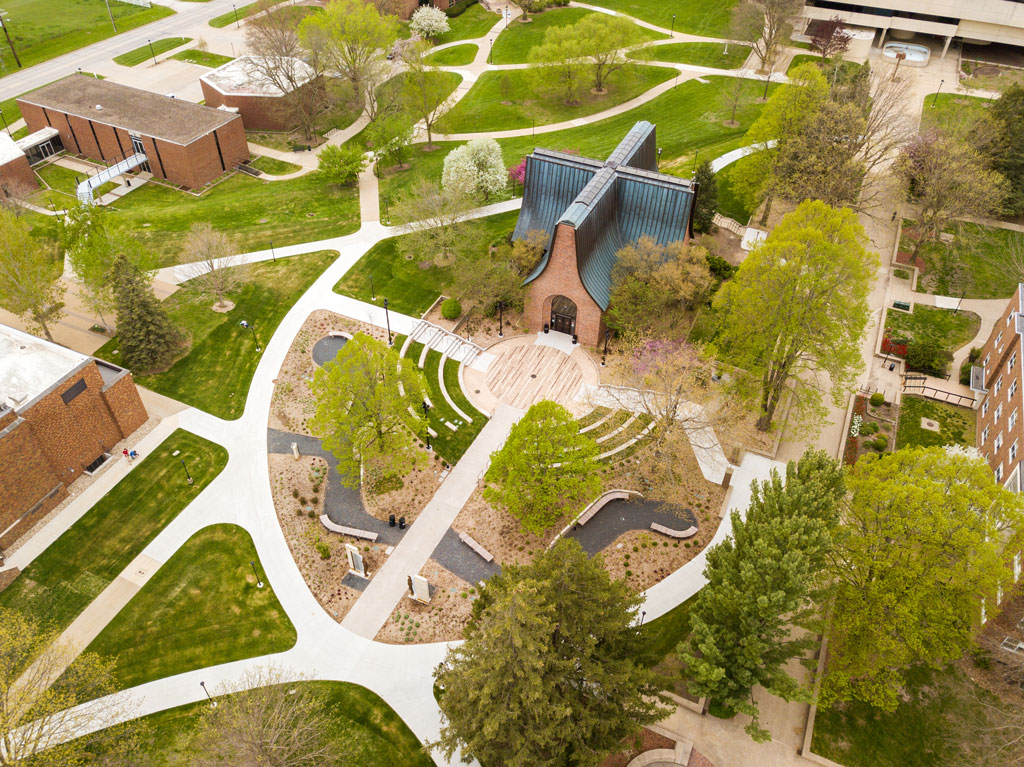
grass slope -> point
(948, 328)
(719, 55)
(476, 21)
(456, 56)
(274, 166)
(956, 424)
(203, 58)
(65, 180)
(729, 204)
(68, 575)
(44, 29)
(215, 374)
(237, 14)
(147, 52)
(697, 17)
(510, 99)
(200, 609)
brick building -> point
(996, 378)
(15, 171)
(406, 8)
(60, 414)
(187, 144)
(588, 210)
(240, 87)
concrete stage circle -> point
(523, 370)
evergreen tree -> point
(148, 338)
(760, 582)
(1009, 112)
(707, 198)
(547, 675)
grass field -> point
(939, 109)
(200, 609)
(44, 29)
(514, 44)
(977, 264)
(252, 212)
(229, 18)
(66, 181)
(956, 424)
(68, 575)
(719, 55)
(947, 328)
(203, 58)
(510, 99)
(472, 23)
(409, 289)
(215, 374)
(456, 56)
(362, 727)
(451, 445)
(147, 52)
(273, 166)
(846, 68)
(698, 17)
(729, 204)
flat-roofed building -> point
(187, 144)
(241, 86)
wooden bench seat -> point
(469, 541)
(342, 530)
(687, 533)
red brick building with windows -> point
(184, 143)
(997, 380)
(15, 172)
(588, 210)
(61, 413)
(239, 86)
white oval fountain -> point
(913, 55)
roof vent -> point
(99, 108)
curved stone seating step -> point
(444, 389)
(628, 443)
(469, 541)
(599, 422)
(687, 533)
(595, 506)
(342, 530)
(625, 425)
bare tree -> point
(210, 261)
(277, 60)
(765, 24)
(732, 98)
(426, 94)
(43, 720)
(439, 228)
(269, 718)
(830, 38)
(14, 193)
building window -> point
(998, 414)
(984, 435)
(1013, 451)
(1012, 420)
(997, 442)
(999, 473)
(1013, 389)
(984, 408)
(984, 362)
(999, 385)
(73, 391)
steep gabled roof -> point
(609, 204)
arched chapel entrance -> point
(563, 315)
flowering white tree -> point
(429, 22)
(475, 168)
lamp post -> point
(426, 408)
(187, 475)
(259, 581)
(250, 327)
(387, 319)
(6, 126)
(213, 703)
(604, 354)
(643, 614)
(936, 96)
(151, 51)
(899, 57)
(501, 319)
(659, 157)
(373, 295)
(673, 31)
(10, 42)
(696, 154)
(273, 253)
(490, 51)
(111, 15)
(236, 15)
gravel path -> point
(327, 348)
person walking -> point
(125, 453)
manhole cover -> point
(533, 375)
(930, 425)
(476, 391)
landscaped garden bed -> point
(872, 427)
(444, 618)
(955, 425)
(927, 336)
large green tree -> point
(363, 401)
(1009, 114)
(604, 40)
(148, 338)
(560, 68)
(796, 311)
(545, 470)
(930, 537)
(30, 283)
(547, 676)
(707, 198)
(760, 582)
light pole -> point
(426, 408)
(259, 581)
(643, 614)
(673, 31)
(936, 96)
(6, 126)
(246, 324)
(501, 319)
(696, 154)
(187, 475)
(111, 15)
(659, 157)
(273, 254)
(10, 42)
(236, 15)
(899, 57)
(373, 295)
(213, 703)
(151, 51)
(490, 51)
(604, 354)
(387, 319)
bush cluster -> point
(451, 309)
(877, 399)
(459, 8)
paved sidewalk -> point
(389, 584)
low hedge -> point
(459, 8)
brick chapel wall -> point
(258, 113)
(125, 404)
(562, 278)
(28, 477)
(17, 172)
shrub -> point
(965, 368)
(869, 428)
(459, 8)
(927, 357)
(429, 22)
(302, 500)
(323, 549)
(311, 514)
(451, 309)
(720, 268)
(877, 399)
(295, 493)
(880, 443)
(903, 274)
(341, 164)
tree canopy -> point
(30, 283)
(148, 338)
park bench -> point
(903, 306)
(596, 506)
(342, 530)
(687, 533)
(484, 553)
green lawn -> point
(44, 29)
(66, 180)
(362, 726)
(408, 288)
(273, 166)
(476, 21)
(68, 575)
(215, 374)
(729, 204)
(917, 734)
(697, 54)
(976, 264)
(514, 43)
(147, 52)
(946, 327)
(938, 109)
(203, 58)
(846, 68)
(200, 609)
(956, 424)
(229, 18)
(698, 17)
(510, 99)
(456, 56)
(253, 212)
(450, 445)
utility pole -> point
(9, 41)
(111, 15)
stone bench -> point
(687, 533)
(469, 541)
(342, 530)
(596, 506)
